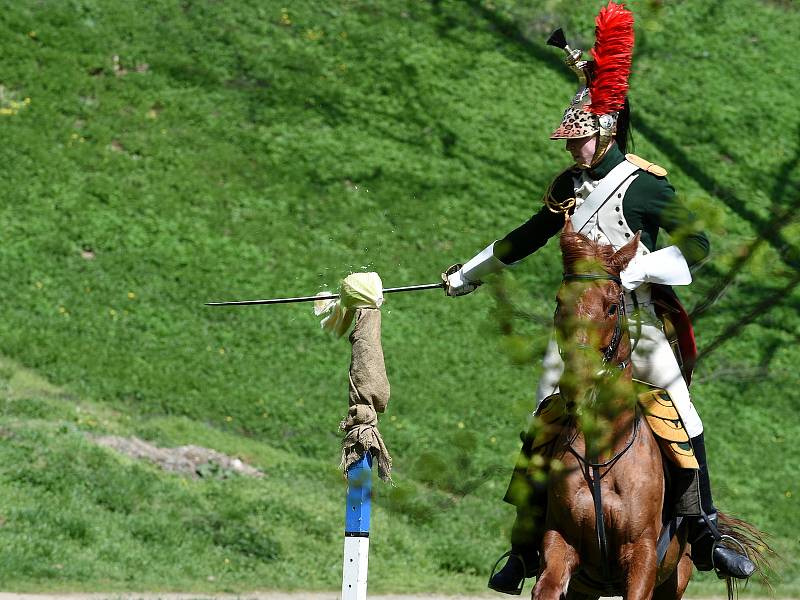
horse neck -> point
(619, 410)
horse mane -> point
(578, 251)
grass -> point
(264, 150)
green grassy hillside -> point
(158, 155)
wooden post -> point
(356, 530)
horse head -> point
(589, 319)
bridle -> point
(619, 310)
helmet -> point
(602, 82)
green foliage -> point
(177, 153)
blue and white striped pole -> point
(356, 529)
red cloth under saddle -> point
(666, 302)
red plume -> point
(612, 53)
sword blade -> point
(406, 288)
(414, 288)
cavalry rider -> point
(631, 195)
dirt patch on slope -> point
(192, 461)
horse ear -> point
(568, 228)
(625, 254)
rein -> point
(592, 473)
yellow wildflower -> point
(314, 34)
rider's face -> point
(582, 149)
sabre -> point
(406, 288)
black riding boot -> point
(704, 535)
(523, 558)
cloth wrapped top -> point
(358, 290)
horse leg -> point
(684, 570)
(674, 587)
(559, 561)
(639, 561)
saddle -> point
(660, 413)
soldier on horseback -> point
(611, 196)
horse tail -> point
(754, 542)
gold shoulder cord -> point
(557, 206)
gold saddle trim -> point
(664, 420)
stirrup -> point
(714, 546)
(510, 555)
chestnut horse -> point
(613, 459)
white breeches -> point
(653, 362)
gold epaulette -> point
(646, 165)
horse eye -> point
(612, 310)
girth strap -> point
(600, 526)
(667, 533)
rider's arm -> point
(521, 242)
(529, 237)
(651, 204)
(663, 209)
(682, 226)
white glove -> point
(455, 284)
(666, 266)
(461, 280)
